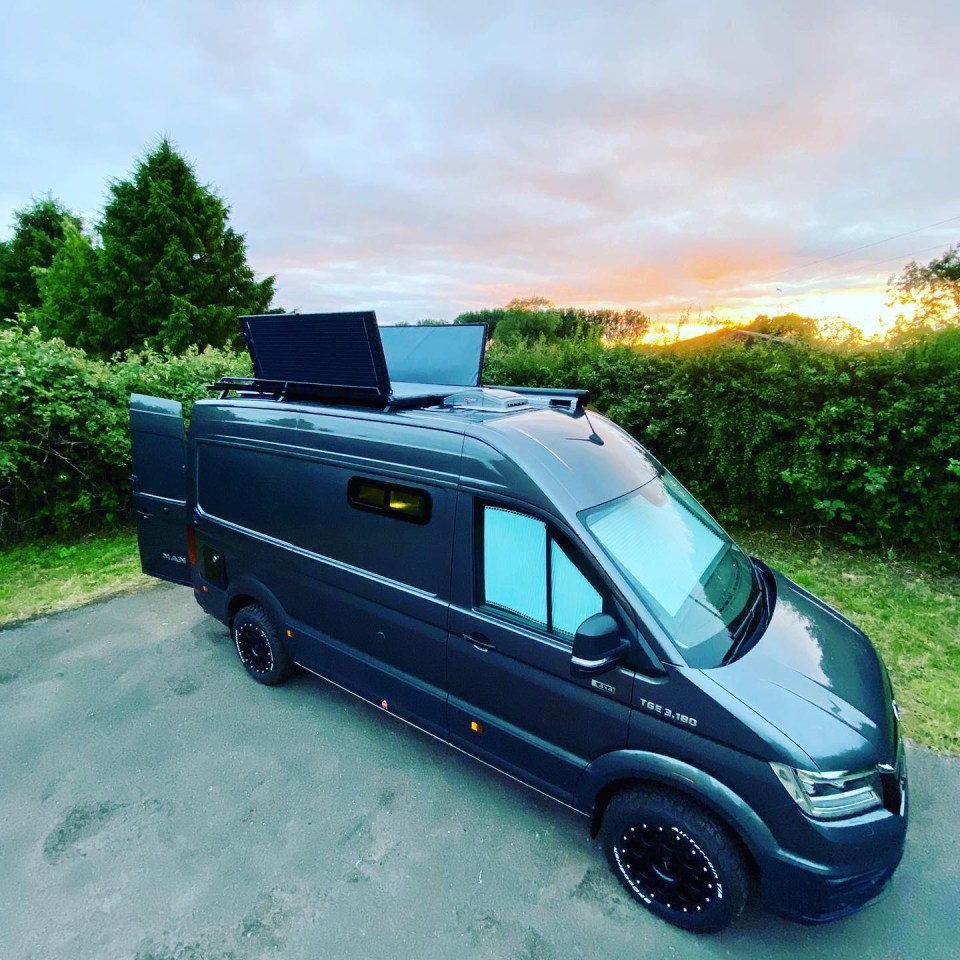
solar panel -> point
(339, 355)
(448, 354)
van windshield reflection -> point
(694, 579)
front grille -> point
(892, 794)
(893, 779)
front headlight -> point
(829, 796)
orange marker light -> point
(290, 633)
(476, 726)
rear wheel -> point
(259, 646)
(675, 858)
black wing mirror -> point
(597, 647)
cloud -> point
(422, 158)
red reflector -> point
(192, 546)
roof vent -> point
(486, 399)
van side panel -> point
(365, 594)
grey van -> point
(511, 572)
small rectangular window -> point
(370, 495)
(389, 499)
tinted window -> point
(515, 563)
(404, 503)
(572, 596)
(529, 574)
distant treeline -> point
(537, 318)
(862, 443)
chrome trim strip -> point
(589, 664)
(453, 746)
(319, 557)
(159, 499)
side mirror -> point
(597, 647)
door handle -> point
(145, 514)
(480, 641)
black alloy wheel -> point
(254, 648)
(675, 858)
(259, 646)
(665, 865)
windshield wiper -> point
(745, 628)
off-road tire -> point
(258, 643)
(675, 858)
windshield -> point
(695, 580)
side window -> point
(528, 573)
(572, 596)
(515, 564)
(405, 503)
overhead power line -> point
(867, 246)
(876, 263)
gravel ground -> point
(157, 804)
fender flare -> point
(632, 765)
(249, 587)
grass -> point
(48, 575)
(910, 613)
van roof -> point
(541, 446)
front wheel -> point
(675, 858)
(259, 646)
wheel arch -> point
(608, 776)
(245, 591)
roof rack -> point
(298, 390)
(567, 401)
(326, 393)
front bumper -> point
(810, 896)
(856, 861)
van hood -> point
(817, 678)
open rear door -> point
(159, 486)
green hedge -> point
(864, 442)
(64, 437)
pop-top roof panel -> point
(337, 352)
(451, 355)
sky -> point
(424, 158)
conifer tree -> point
(39, 233)
(170, 272)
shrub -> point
(64, 437)
(865, 442)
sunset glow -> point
(864, 308)
(717, 163)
